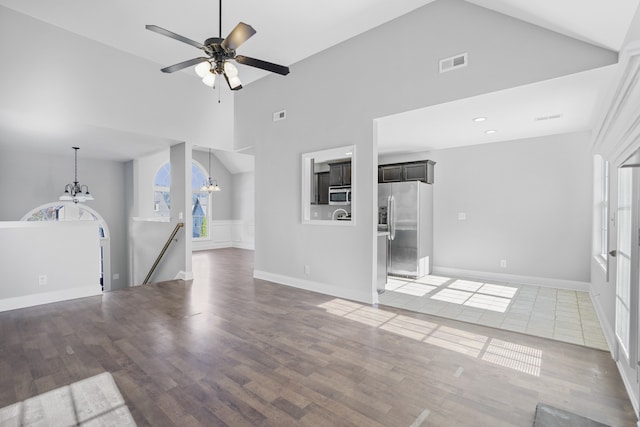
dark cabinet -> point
(322, 188)
(340, 174)
(410, 171)
(390, 173)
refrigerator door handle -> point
(392, 218)
(389, 217)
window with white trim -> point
(200, 200)
(601, 206)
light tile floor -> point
(558, 314)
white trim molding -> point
(616, 137)
(48, 297)
(620, 120)
(544, 282)
(228, 234)
(309, 285)
(184, 275)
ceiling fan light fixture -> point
(234, 81)
(202, 69)
(209, 79)
(219, 51)
(230, 70)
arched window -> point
(62, 211)
(69, 211)
(200, 200)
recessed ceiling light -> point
(490, 131)
(479, 119)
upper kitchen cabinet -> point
(320, 169)
(322, 188)
(390, 173)
(340, 174)
(410, 171)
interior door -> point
(627, 320)
(624, 259)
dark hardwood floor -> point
(231, 350)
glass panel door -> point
(623, 278)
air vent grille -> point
(279, 115)
(454, 62)
(554, 116)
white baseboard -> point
(612, 343)
(239, 245)
(629, 387)
(211, 245)
(48, 297)
(184, 275)
(607, 329)
(572, 285)
(323, 288)
(245, 245)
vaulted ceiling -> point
(288, 31)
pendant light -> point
(75, 192)
(210, 185)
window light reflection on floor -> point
(486, 296)
(433, 280)
(416, 289)
(502, 353)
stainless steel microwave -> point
(339, 195)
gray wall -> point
(90, 83)
(525, 201)
(36, 179)
(329, 107)
(243, 198)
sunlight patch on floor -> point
(476, 294)
(498, 352)
(519, 357)
(416, 289)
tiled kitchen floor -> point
(559, 314)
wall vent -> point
(454, 62)
(279, 115)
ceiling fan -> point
(220, 52)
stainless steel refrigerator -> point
(406, 208)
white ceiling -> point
(289, 31)
(562, 105)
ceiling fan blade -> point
(185, 64)
(269, 66)
(240, 34)
(175, 36)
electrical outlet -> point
(503, 263)
(43, 279)
(462, 216)
(116, 276)
(307, 270)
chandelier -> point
(75, 192)
(210, 185)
